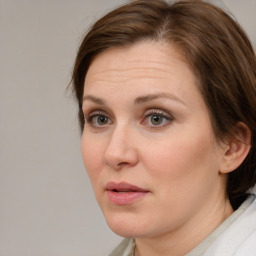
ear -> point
(236, 148)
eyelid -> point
(160, 112)
(97, 112)
(93, 113)
(167, 117)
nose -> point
(121, 150)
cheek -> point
(180, 159)
(92, 157)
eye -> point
(156, 118)
(98, 119)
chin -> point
(124, 232)
(125, 225)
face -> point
(148, 144)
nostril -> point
(122, 163)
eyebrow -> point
(139, 100)
(150, 97)
(94, 99)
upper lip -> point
(123, 186)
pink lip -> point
(124, 193)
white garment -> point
(236, 236)
(239, 239)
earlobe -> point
(238, 148)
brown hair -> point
(217, 50)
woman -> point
(167, 106)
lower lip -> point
(125, 198)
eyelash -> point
(90, 119)
(158, 113)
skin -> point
(176, 157)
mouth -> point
(124, 193)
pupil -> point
(156, 119)
(102, 120)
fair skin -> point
(147, 125)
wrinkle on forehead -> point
(145, 61)
(154, 65)
(117, 76)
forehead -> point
(143, 57)
(146, 67)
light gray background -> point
(46, 202)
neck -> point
(183, 239)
